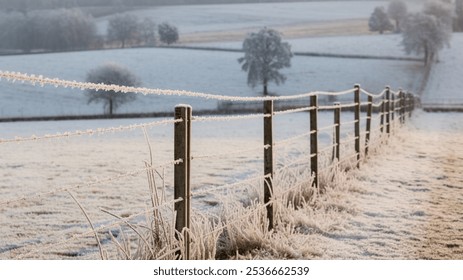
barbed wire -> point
(372, 94)
(349, 123)
(230, 186)
(42, 81)
(229, 118)
(291, 139)
(328, 127)
(297, 110)
(242, 151)
(378, 104)
(98, 131)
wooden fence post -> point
(402, 107)
(383, 113)
(388, 110)
(357, 122)
(392, 110)
(368, 125)
(268, 160)
(337, 131)
(412, 104)
(314, 138)
(182, 137)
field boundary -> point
(351, 143)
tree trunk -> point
(265, 89)
(110, 106)
(426, 55)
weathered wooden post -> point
(337, 131)
(182, 138)
(314, 138)
(412, 104)
(383, 112)
(357, 122)
(268, 160)
(368, 125)
(402, 107)
(388, 110)
(392, 110)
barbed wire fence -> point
(346, 145)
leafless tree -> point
(111, 74)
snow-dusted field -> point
(408, 201)
(202, 71)
(203, 18)
(373, 45)
(33, 218)
(404, 202)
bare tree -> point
(111, 74)
(123, 28)
(264, 56)
(147, 32)
(379, 21)
(397, 10)
(425, 34)
(168, 33)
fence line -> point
(98, 131)
(42, 81)
(182, 140)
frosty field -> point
(202, 71)
(403, 203)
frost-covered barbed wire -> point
(349, 123)
(377, 105)
(97, 131)
(98, 181)
(291, 139)
(229, 117)
(42, 81)
(372, 94)
(328, 127)
(297, 110)
(103, 228)
(236, 152)
(332, 107)
(326, 149)
(230, 186)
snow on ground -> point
(31, 168)
(203, 18)
(375, 45)
(408, 201)
(445, 86)
(203, 71)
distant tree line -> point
(72, 29)
(425, 32)
(52, 30)
(127, 29)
